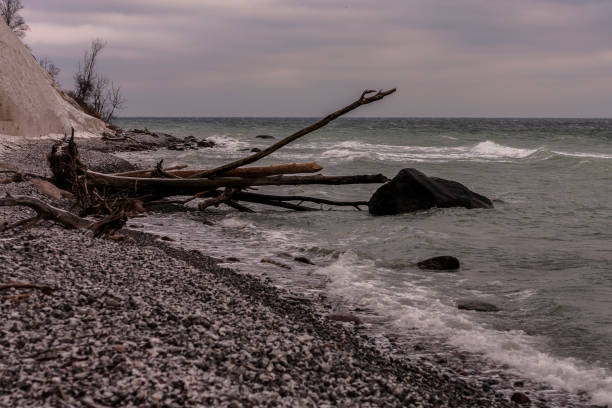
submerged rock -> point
(255, 150)
(206, 143)
(477, 306)
(440, 263)
(410, 190)
(264, 137)
(303, 259)
(190, 143)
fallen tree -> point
(164, 187)
(293, 168)
(115, 197)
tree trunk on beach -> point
(164, 187)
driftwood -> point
(215, 201)
(50, 190)
(273, 203)
(106, 226)
(245, 195)
(45, 211)
(118, 196)
(293, 168)
(163, 187)
(363, 100)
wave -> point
(583, 155)
(483, 151)
(411, 305)
(227, 142)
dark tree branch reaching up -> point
(364, 99)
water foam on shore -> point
(409, 305)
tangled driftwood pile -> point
(115, 197)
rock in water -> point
(206, 143)
(303, 259)
(478, 306)
(412, 190)
(264, 137)
(440, 263)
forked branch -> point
(364, 99)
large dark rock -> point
(412, 190)
(440, 263)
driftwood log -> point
(44, 211)
(293, 168)
(164, 187)
(106, 226)
(112, 198)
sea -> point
(543, 255)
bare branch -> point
(46, 211)
(363, 100)
(222, 198)
(244, 195)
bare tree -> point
(94, 92)
(114, 102)
(9, 11)
(98, 95)
(86, 77)
(50, 67)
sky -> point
(477, 58)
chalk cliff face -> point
(30, 106)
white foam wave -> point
(415, 306)
(587, 155)
(493, 150)
(227, 142)
(483, 151)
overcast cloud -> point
(304, 58)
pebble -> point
(144, 323)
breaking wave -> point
(483, 151)
(358, 280)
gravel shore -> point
(144, 323)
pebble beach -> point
(143, 322)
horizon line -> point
(363, 117)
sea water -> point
(543, 255)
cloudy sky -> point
(305, 58)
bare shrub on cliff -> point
(9, 11)
(50, 67)
(96, 94)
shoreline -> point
(347, 369)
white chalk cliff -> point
(31, 108)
